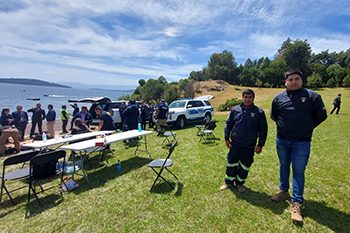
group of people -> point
(297, 112)
(133, 114)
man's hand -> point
(228, 144)
(258, 149)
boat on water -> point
(47, 95)
(33, 98)
(23, 90)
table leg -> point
(146, 150)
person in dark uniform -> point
(245, 124)
(106, 121)
(151, 112)
(20, 120)
(131, 114)
(297, 112)
(122, 116)
(84, 116)
(76, 108)
(6, 117)
(37, 118)
(144, 114)
(336, 104)
(161, 116)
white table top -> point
(88, 144)
(75, 137)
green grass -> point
(121, 202)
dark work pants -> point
(144, 123)
(336, 107)
(34, 123)
(64, 126)
(239, 161)
(21, 126)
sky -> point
(115, 43)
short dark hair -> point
(64, 106)
(98, 108)
(339, 94)
(83, 107)
(248, 92)
(50, 105)
(291, 72)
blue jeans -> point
(298, 154)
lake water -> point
(12, 95)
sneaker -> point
(296, 212)
(240, 188)
(280, 196)
(225, 186)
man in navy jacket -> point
(296, 111)
(20, 119)
(245, 124)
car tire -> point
(180, 122)
(207, 117)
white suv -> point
(182, 112)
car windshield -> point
(177, 104)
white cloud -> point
(152, 38)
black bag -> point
(10, 151)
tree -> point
(142, 82)
(197, 76)
(171, 93)
(297, 56)
(315, 80)
(189, 91)
(284, 46)
(258, 82)
(222, 67)
(346, 81)
(274, 74)
(338, 73)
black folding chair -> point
(201, 127)
(15, 174)
(207, 133)
(163, 164)
(43, 167)
(168, 134)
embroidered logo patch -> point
(303, 99)
(252, 114)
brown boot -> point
(296, 212)
(280, 196)
(240, 188)
(225, 186)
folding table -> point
(91, 144)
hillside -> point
(27, 81)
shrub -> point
(229, 104)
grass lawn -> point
(121, 201)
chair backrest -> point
(44, 165)
(20, 158)
(211, 125)
(172, 148)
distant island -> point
(101, 89)
(28, 81)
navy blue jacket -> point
(131, 114)
(246, 125)
(51, 115)
(20, 117)
(88, 118)
(297, 113)
(4, 119)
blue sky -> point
(116, 43)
